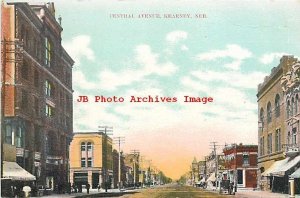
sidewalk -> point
(94, 193)
(260, 194)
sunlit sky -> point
(224, 56)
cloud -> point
(148, 63)
(237, 53)
(270, 57)
(79, 47)
(233, 78)
(176, 36)
(81, 82)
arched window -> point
(289, 138)
(296, 104)
(261, 117)
(269, 112)
(288, 109)
(277, 105)
(293, 107)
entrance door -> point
(95, 180)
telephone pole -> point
(136, 154)
(107, 131)
(119, 140)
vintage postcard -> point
(136, 98)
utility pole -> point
(107, 131)
(214, 147)
(135, 153)
(119, 140)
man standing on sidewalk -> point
(88, 188)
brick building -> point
(241, 163)
(91, 159)
(37, 93)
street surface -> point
(173, 191)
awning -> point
(15, 172)
(274, 167)
(212, 177)
(292, 162)
(296, 174)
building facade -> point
(278, 105)
(91, 160)
(132, 163)
(37, 92)
(241, 164)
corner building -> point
(37, 92)
(272, 115)
(91, 160)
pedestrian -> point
(87, 188)
(98, 187)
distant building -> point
(241, 164)
(91, 159)
(132, 163)
(37, 94)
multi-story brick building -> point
(37, 80)
(241, 164)
(278, 105)
(91, 159)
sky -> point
(223, 56)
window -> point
(269, 143)
(246, 159)
(269, 112)
(288, 109)
(278, 140)
(49, 89)
(83, 146)
(90, 162)
(296, 105)
(49, 111)
(89, 146)
(277, 105)
(8, 134)
(261, 117)
(48, 54)
(294, 141)
(19, 137)
(24, 70)
(293, 107)
(86, 154)
(83, 164)
(262, 146)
